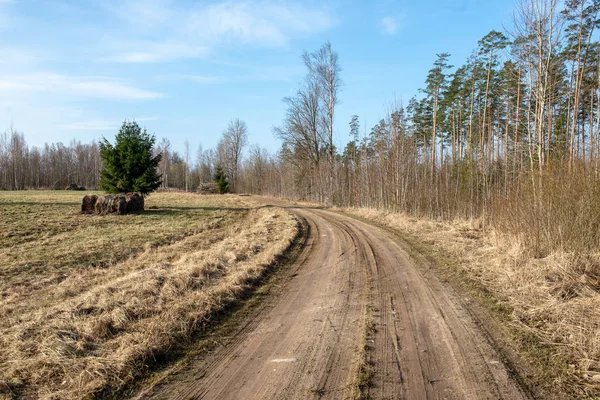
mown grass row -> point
(96, 327)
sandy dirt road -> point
(355, 299)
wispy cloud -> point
(89, 87)
(191, 31)
(390, 24)
(258, 22)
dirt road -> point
(357, 317)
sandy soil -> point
(358, 318)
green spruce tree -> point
(129, 165)
(221, 179)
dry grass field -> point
(552, 303)
(87, 302)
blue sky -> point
(183, 69)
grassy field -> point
(87, 302)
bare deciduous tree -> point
(231, 148)
(187, 157)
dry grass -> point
(87, 302)
(554, 299)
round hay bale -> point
(208, 188)
(88, 203)
(113, 204)
(110, 204)
(134, 202)
(74, 186)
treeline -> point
(510, 138)
(53, 166)
(56, 166)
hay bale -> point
(74, 186)
(120, 204)
(88, 203)
(208, 188)
(110, 204)
(134, 202)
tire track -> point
(442, 353)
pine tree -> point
(129, 165)
(436, 83)
(221, 179)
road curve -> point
(356, 308)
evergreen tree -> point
(129, 165)
(351, 151)
(436, 84)
(221, 179)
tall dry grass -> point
(99, 329)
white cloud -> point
(89, 87)
(190, 31)
(257, 22)
(390, 25)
